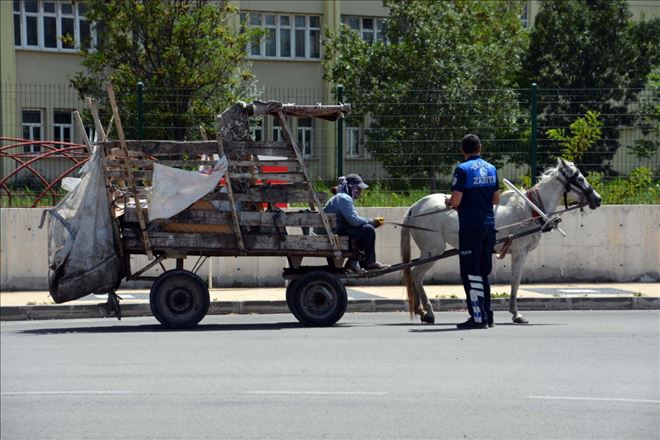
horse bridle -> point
(572, 181)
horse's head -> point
(576, 185)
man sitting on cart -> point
(349, 223)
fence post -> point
(340, 134)
(140, 110)
(534, 146)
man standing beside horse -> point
(475, 189)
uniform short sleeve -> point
(458, 184)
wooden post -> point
(129, 173)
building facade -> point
(40, 39)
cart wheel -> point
(319, 299)
(291, 299)
(179, 299)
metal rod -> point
(538, 210)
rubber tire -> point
(319, 299)
(179, 299)
(290, 299)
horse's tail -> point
(405, 258)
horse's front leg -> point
(517, 265)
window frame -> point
(41, 15)
(32, 148)
(377, 30)
(352, 133)
(307, 134)
(63, 126)
(309, 33)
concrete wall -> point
(612, 243)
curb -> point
(81, 311)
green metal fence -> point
(401, 144)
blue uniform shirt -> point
(477, 180)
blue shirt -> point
(477, 180)
(342, 204)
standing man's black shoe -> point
(470, 324)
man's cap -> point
(355, 180)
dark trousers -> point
(476, 259)
(365, 240)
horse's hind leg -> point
(517, 264)
(424, 306)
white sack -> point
(173, 189)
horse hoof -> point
(520, 320)
(428, 319)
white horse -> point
(432, 226)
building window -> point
(285, 36)
(352, 140)
(524, 17)
(62, 125)
(52, 25)
(305, 138)
(277, 130)
(32, 129)
(256, 130)
(369, 28)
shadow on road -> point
(155, 328)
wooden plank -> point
(284, 193)
(246, 218)
(172, 148)
(223, 244)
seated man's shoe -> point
(353, 266)
(378, 266)
(470, 324)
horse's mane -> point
(546, 175)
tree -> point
(443, 70)
(584, 132)
(189, 55)
(589, 55)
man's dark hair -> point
(470, 144)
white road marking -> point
(595, 399)
(30, 393)
(321, 393)
(577, 290)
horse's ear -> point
(562, 162)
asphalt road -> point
(569, 375)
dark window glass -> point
(271, 42)
(32, 116)
(300, 43)
(85, 34)
(17, 30)
(82, 9)
(315, 21)
(284, 20)
(62, 117)
(50, 32)
(315, 44)
(49, 6)
(17, 6)
(32, 36)
(285, 42)
(67, 32)
(300, 21)
(31, 6)
(67, 8)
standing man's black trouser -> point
(476, 259)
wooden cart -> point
(251, 223)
